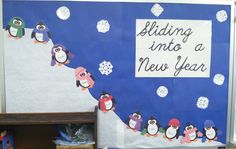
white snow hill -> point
(33, 85)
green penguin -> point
(16, 27)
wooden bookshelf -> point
(37, 130)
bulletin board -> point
(159, 71)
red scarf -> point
(102, 102)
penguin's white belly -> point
(39, 36)
(210, 134)
(13, 31)
(61, 57)
(108, 104)
(170, 133)
(192, 136)
(132, 123)
(84, 83)
(152, 129)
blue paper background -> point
(79, 35)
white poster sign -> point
(173, 48)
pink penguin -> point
(191, 133)
(84, 78)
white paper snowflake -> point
(221, 16)
(162, 91)
(105, 68)
(219, 79)
(157, 10)
(63, 13)
(103, 26)
(202, 102)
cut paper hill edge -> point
(59, 93)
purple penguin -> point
(60, 55)
(135, 121)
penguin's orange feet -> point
(36, 42)
(67, 62)
(209, 141)
(195, 140)
(215, 138)
(169, 140)
(156, 135)
(84, 89)
(147, 135)
(9, 36)
(45, 42)
(17, 38)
